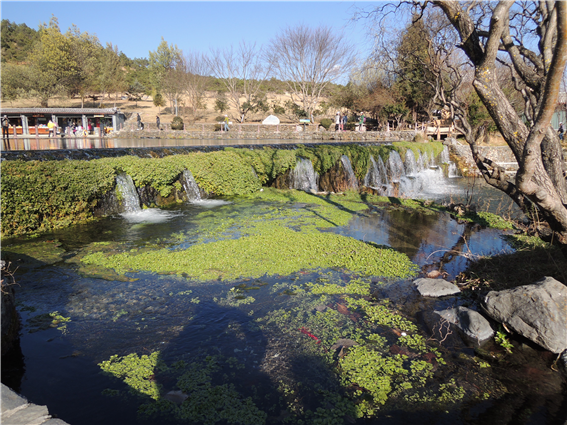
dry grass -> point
(148, 111)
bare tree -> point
(530, 38)
(195, 70)
(308, 59)
(242, 71)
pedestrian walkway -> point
(16, 410)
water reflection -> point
(428, 238)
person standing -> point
(337, 121)
(344, 120)
(561, 131)
(158, 122)
(226, 123)
(51, 128)
(139, 119)
(361, 122)
(5, 128)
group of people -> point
(141, 124)
(341, 120)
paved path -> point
(16, 410)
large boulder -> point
(537, 312)
(428, 287)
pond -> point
(282, 307)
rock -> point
(471, 322)
(537, 312)
(177, 397)
(343, 342)
(435, 287)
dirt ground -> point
(148, 111)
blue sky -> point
(137, 27)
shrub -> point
(326, 122)
(177, 123)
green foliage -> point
(136, 372)
(177, 123)
(44, 195)
(221, 104)
(326, 122)
(478, 114)
(17, 41)
(159, 100)
(207, 403)
(502, 340)
(263, 253)
(268, 163)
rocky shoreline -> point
(537, 312)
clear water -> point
(190, 320)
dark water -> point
(188, 320)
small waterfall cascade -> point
(351, 180)
(395, 167)
(410, 163)
(372, 177)
(190, 186)
(453, 170)
(444, 156)
(127, 190)
(420, 163)
(304, 176)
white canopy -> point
(271, 120)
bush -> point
(177, 123)
(326, 122)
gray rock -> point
(435, 287)
(471, 322)
(11, 400)
(31, 415)
(343, 342)
(537, 312)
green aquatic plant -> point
(45, 321)
(274, 251)
(502, 340)
(135, 371)
(205, 403)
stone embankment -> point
(16, 410)
(502, 155)
(261, 132)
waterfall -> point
(410, 163)
(372, 177)
(190, 186)
(453, 170)
(444, 156)
(376, 177)
(351, 180)
(419, 163)
(304, 176)
(395, 167)
(130, 199)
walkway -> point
(16, 410)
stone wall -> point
(500, 154)
(263, 132)
(463, 157)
